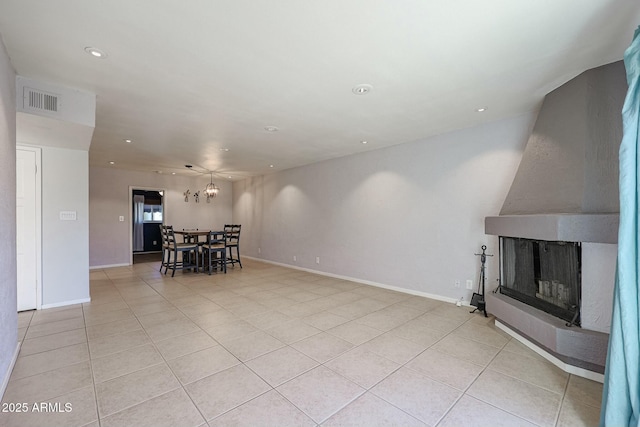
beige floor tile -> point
(51, 342)
(417, 395)
(445, 368)
(320, 393)
(451, 311)
(267, 320)
(585, 391)
(369, 411)
(199, 309)
(89, 308)
(131, 389)
(417, 331)
(99, 331)
(22, 332)
(49, 360)
(324, 320)
(525, 400)
(440, 323)
(194, 366)
(267, 410)
(213, 319)
(281, 365)
(110, 344)
(354, 332)
(249, 309)
(322, 347)
(230, 331)
(420, 303)
(465, 349)
(188, 300)
(253, 345)
(299, 310)
(532, 370)
(35, 331)
(171, 409)
(77, 408)
(514, 346)
(154, 307)
(394, 348)
(49, 385)
(125, 362)
(92, 319)
(484, 334)
(578, 414)
(24, 318)
(362, 367)
(292, 331)
(218, 393)
(171, 329)
(160, 317)
(51, 315)
(473, 412)
(185, 344)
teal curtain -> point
(621, 393)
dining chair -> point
(215, 244)
(173, 247)
(232, 240)
(165, 244)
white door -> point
(26, 229)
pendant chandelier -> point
(211, 190)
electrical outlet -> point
(121, 218)
(317, 260)
(457, 283)
(469, 284)
(259, 250)
(295, 258)
(155, 242)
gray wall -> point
(409, 216)
(570, 164)
(65, 187)
(8, 307)
(109, 198)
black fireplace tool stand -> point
(477, 299)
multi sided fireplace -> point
(543, 274)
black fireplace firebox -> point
(543, 274)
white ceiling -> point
(184, 79)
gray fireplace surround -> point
(566, 189)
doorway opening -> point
(147, 215)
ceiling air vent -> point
(38, 100)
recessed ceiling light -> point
(223, 149)
(362, 89)
(112, 163)
(363, 142)
(229, 177)
(270, 166)
(95, 52)
(128, 141)
(173, 173)
(271, 129)
(481, 109)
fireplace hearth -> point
(543, 274)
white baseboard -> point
(7, 375)
(61, 304)
(581, 372)
(364, 282)
(100, 267)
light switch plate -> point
(121, 218)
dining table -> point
(193, 235)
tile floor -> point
(271, 346)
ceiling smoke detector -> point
(271, 129)
(362, 89)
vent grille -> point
(40, 101)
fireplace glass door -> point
(543, 274)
